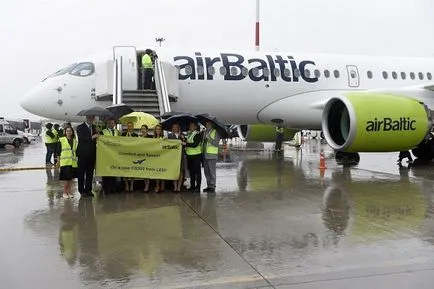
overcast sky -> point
(38, 37)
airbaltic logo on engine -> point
(388, 124)
(235, 67)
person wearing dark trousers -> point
(211, 141)
(193, 150)
(147, 69)
(86, 153)
(279, 138)
(50, 142)
(58, 134)
(129, 182)
(177, 134)
(109, 183)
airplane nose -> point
(32, 100)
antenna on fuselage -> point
(159, 40)
(257, 27)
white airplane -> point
(361, 103)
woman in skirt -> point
(68, 161)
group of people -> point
(77, 155)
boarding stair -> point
(155, 102)
(142, 100)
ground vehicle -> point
(9, 135)
(27, 137)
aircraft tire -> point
(347, 159)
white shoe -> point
(65, 196)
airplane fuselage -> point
(247, 87)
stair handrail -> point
(161, 88)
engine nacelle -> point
(374, 122)
(262, 133)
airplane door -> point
(353, 76)
(128, 55)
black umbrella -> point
(120, 109)
(96, 111)
(166, 115)
(220, 127)
(183, 119)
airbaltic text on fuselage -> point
(237, 67)
(388, 124)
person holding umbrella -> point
(86, 153)
(193, 150)
(211, 140)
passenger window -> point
(211, 70)
(255, 71)
(266, 72)
(394, 75)
(296, 72)
(336, 73)
(326, 73)
(412, 75)
(420, 75)
(188, 69)
(307, 72)
(83, 69)
(369, 74)
(234, 70)
(277, 72)
(385, 74)
(429, 76)
(223, 70)
(317, 73)
(244, 71)
(200, 70)
(287, 72)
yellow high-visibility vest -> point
(48, 139)
(280, 129)
(147, 61)
(68, 156)
(210, 148)
(107, 131)
(191, 151)
(56, 135)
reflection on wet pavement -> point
(275, 222)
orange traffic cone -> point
(322, 164)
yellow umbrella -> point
(139, 118)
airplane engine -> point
(374, 122)
(260, 132)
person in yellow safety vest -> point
(279, 138)
(68, 161)
(109, 183)
(211, 140)
(111, 129)
(193, 150)
(147, 69)
(50, 143)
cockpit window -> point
(83, 69)
(62, 71)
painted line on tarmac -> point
(24, 169)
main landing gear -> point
(424, 152)
(347, 159)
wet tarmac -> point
(274, 222)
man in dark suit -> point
(86, 153)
